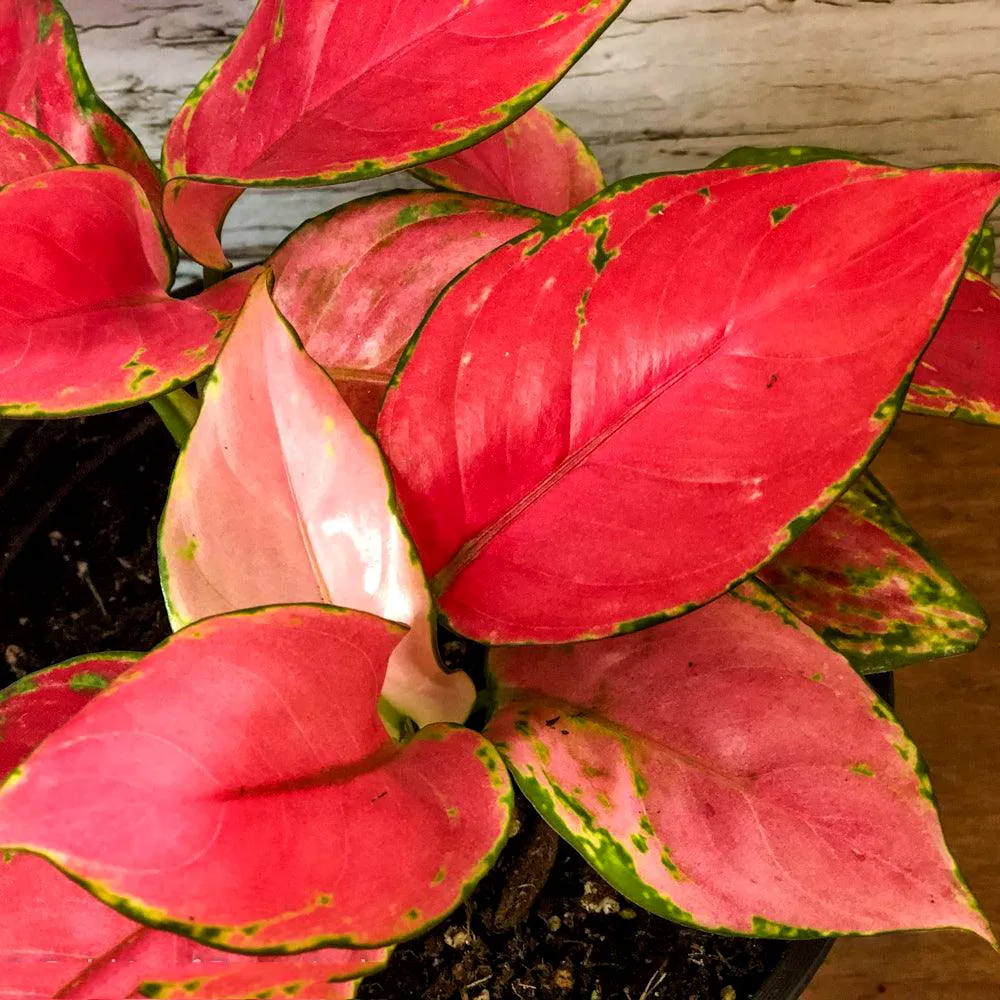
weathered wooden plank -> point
(672, 84)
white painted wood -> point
(672, 84)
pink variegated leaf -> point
(24, 151)
(581, 446)
(86, 323)
(691, 764)
(43, 82)
(56, 940)
(356, 282)
(171, 794)
(867, 583)
(319, 93)
(959, 376)
(537, 161)
(276, 447)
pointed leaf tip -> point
(279, 742)
(867, 583)
(691, 764)
(522, 462)
(256, 116)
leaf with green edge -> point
(44, 83)
(537, 160)
(959, 376)
(541, 436)
(355, 282)
(870, 587)
(24, 151)
(319, 93)
(58, 941)
(691, 764)
(276, 446)
(88, 325)
(170, 795)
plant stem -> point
(178, 410)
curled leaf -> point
(691, 764)
(319, 93)
(575, 456)
(275, 446)
(356, 282)
(252, 737)
(537, 161)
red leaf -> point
(314, 92)
(536, 161)
(868, 584)
(576, 456)
(43, 82)
(959, 376)
(85, 321)
(246, 736)
(356, 282)
(691, 764)
(276, 446)
(24, 151)
(58, 941)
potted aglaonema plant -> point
(633, 481)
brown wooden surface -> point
(946, 478)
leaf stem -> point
(178, 410)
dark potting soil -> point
(79, 504)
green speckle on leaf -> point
(705, 193)
(760, 927)
(439, 876)
(598, 227)
(189, 549)
(816, 677)
(640, 842)
(413, 914)
(780, 213)
(864, 769)
(244, 83)
(668, 862)
(880, 711)
(451, 812)
(88, 681)
(656, 208)
(645, 825)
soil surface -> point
(79, 505)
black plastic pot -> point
(58, 599)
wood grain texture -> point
(946, 478)
(671, 85)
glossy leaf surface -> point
(276, 447)
(691, 764)
(959, 376)
(537, 161)
(172, 794)
(576, 455)
(43, 82)
(56, 940)
(24, 151)
(867, 583)
(356, 282)
(314, 92)
(86, 324)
